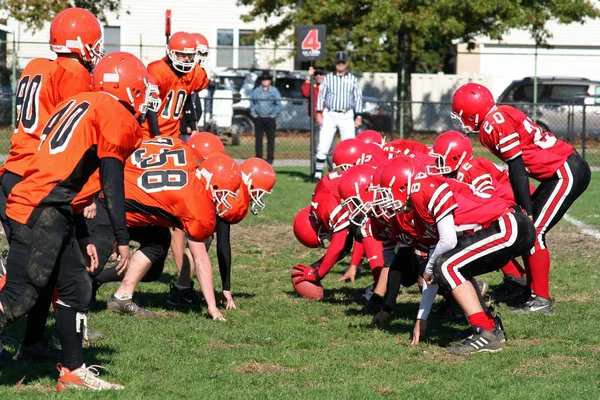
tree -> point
(35, 13)
(412, 35)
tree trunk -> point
(404, 92)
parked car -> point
(560, 103)
(294, 115)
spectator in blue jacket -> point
(265, 104)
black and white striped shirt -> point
(340, 93)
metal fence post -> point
(312, 124)
(13, 81)
(393, 120)
(583, 133)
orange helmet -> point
(76, 30)
(223, 177)
(206, 144)
(125, 77)
(201, 48)
(260, 178)
(182, 44)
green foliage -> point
(371, 29)
(34, 13)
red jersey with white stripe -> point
(405, 147)
(486, 177)
(509, 133)
(326, 201)
(434, 197)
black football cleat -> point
(535, 305)
(480, 341)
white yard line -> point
(586, 229)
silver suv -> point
(561, 104)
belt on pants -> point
(340, 111)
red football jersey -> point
(83, 129)
(485, 176)
(326, 201)
(406, 147)
(509, 133)
(239, 206)
(162, 187)
(173, 90)
(43, 84)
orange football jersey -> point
(239, 206)
(162, 187)
(82, 130)
(173, 90)
(43, 84)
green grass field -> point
(277, 345)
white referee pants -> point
(331, 122)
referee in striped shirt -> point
(338, 107)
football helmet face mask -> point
(206, 144)
(181, 50)
(202, 49)
(260, 178)
(222, 176)
(308, 230)
(470, 104)
(348, 153)
(395, 182)
(380, 200)
(124, 76)
(451, 149)
(78, 31)
(371, 136)
(355, 194)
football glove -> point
(381, 317)
(301, 273)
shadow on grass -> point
(296, 174)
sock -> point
(37, 317)
(513, 268)
(539, 273)
(70, 339)
(181, 287)
(483, 321)
(123, 297)
(319, 165)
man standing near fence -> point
(338, 107)
(265, 104)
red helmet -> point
(371, 136)
(470, 104)
(124, 76)
(307, 229)
(259, 176)
(355, 194)
(206, 144)
(223, 177)
(395, 181)
(182, 44)
(374, 155)
(76, 30)
(451, 149)
(349, 152)
(201, 48)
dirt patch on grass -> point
(254, 367)
(535, 342)
(264, 241)
(441, 356)
(219, 344)
(21, 386)
(548, 365)
(565, 237)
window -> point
(597, 93)
(112, 38)
(246, 49)
(525, 93)
(225, 48)
(561, 93)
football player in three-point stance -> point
(529, 151)
(86, 133)
(76, 38)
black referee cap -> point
(341, 56)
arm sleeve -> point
(519, 181)
(252, 104)
(198, 108)
(447, 241)
(394, 276)
(427, 299)
(224, 252)
(374, 252)
(334, 252)
(323, 89)
(358, 98)
(277, 102)
(306, 90)
(113, 186)
(81, 231)
(153, 123)
(189, 116)
(357, 253)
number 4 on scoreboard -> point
(311, 41)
